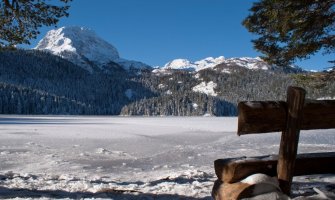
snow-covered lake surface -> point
(132, 157)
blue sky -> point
(157, 31)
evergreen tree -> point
(292, 29)
(21, 19)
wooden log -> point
(234, 170)
(290, 138)
(231, 171)
(234, 191)
(270, 116)
(316, 163)
(318, 115)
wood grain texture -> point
(290, 138)
(237, 170)
(234, 170)
(261, 116)
(318, 114)
(234, 191)
(270, 116)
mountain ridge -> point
(84, 47)
(210, 63)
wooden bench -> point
(272, 116)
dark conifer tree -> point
(292, 29)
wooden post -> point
(290, 138)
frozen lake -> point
(127, 157)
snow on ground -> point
(326, 98)
(46, 157)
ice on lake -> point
(127, 157)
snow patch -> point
(161, 86)
(168, 92)
(262, 179)
(206, 88)
(159, 72)
(226, 71)
(326, 98)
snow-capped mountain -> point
(83, 47)
(180, 64)
(258, 64)
(249, 63)
(227, 63)
(184, 64)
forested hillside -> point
(178, 95)
(98, 92)
(35, 82)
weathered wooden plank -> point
(317, 114)
(234, 170)
(261, 116)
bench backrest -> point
(289, 117)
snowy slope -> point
(83, 47)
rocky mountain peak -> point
(83, 47)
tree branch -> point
(7, 4)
